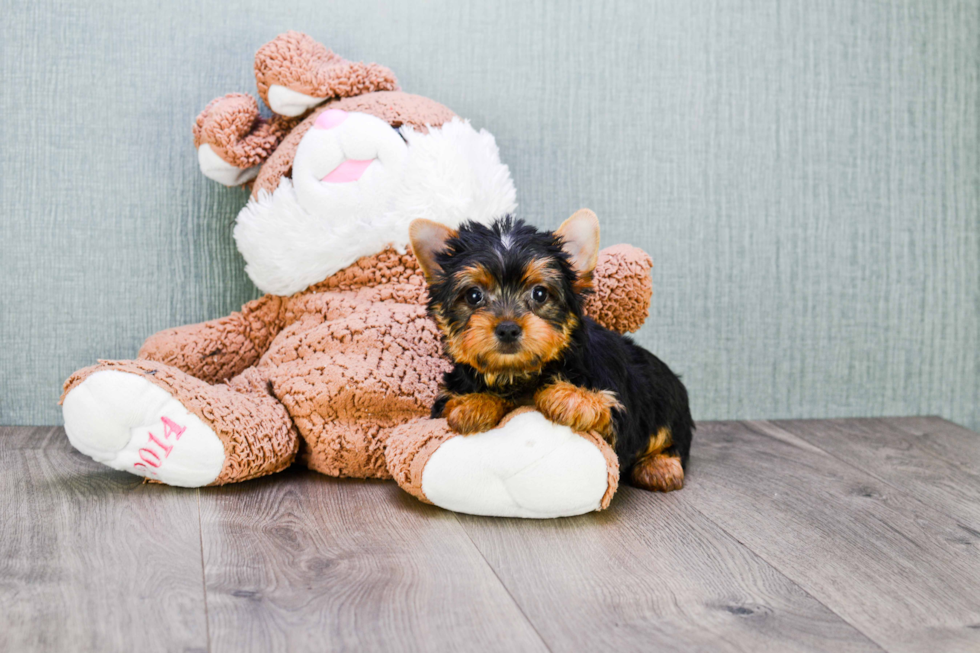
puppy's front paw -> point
(475, 413)
(578, 408)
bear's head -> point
(346, 161)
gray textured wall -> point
(804, 174)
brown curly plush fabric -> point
(341, 365)
(296, 61)
(623, 273)
(220, 349)
(612, 466)
(409, 448)
(232, 127)
(394, 107)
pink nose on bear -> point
(330, 119)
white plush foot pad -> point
(290, 103)
(219, 170)
(133, 425)
(530, 467)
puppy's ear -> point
(428, 239)
(580, 240)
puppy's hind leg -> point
(658, 468)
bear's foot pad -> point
(129, 423)
(527, 467)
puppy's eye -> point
(539, 294)
(474, 296)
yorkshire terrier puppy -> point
(508, 300)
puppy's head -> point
(507, 297)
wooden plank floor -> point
(843, 535)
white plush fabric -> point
(353, 208)
(219, 170)
(309, 229)
(287, 102)
(528, 468)
(111, 415)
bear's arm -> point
(622, 288)
(217, 350)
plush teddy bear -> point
(338, 364)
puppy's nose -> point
(508, 331)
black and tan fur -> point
(508, 299)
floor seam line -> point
(502, 584)
(934, 454)
(204, 579)
(904, 491)
(796, 584)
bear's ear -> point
(580, 239)
(295, 73)
(233, 141)
(428, 240)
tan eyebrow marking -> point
(476, 275)
(538, 272)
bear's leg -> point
(525, 467)
(153, 420)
